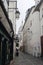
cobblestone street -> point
(25, 59)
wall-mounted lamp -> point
(17, 14)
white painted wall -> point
(27, 34)
(12, 17)
(31, 40)
(36, 33)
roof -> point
(38, 6)
(27, 15)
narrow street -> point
(21, 29)
(25, 59)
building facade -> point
(6, 34)
(39, 9)
(36, 34)
(27, 32)
(41, 24)
(33, 30)
(13, 15)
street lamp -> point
(17, 14)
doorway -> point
(41, 46)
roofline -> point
(37, 7)
(28, 16)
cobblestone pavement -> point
(25, 59)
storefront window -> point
(7, 52)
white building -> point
(33, 30)
(27, 32)
(36, 34)
(13, 15)
(41, 24)
(39, 15)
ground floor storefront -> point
(6, 46)
(6, 51)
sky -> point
(23, 6)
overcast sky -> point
(22, 6)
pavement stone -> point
(26, 59)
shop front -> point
(4, 51)
(6, 46)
